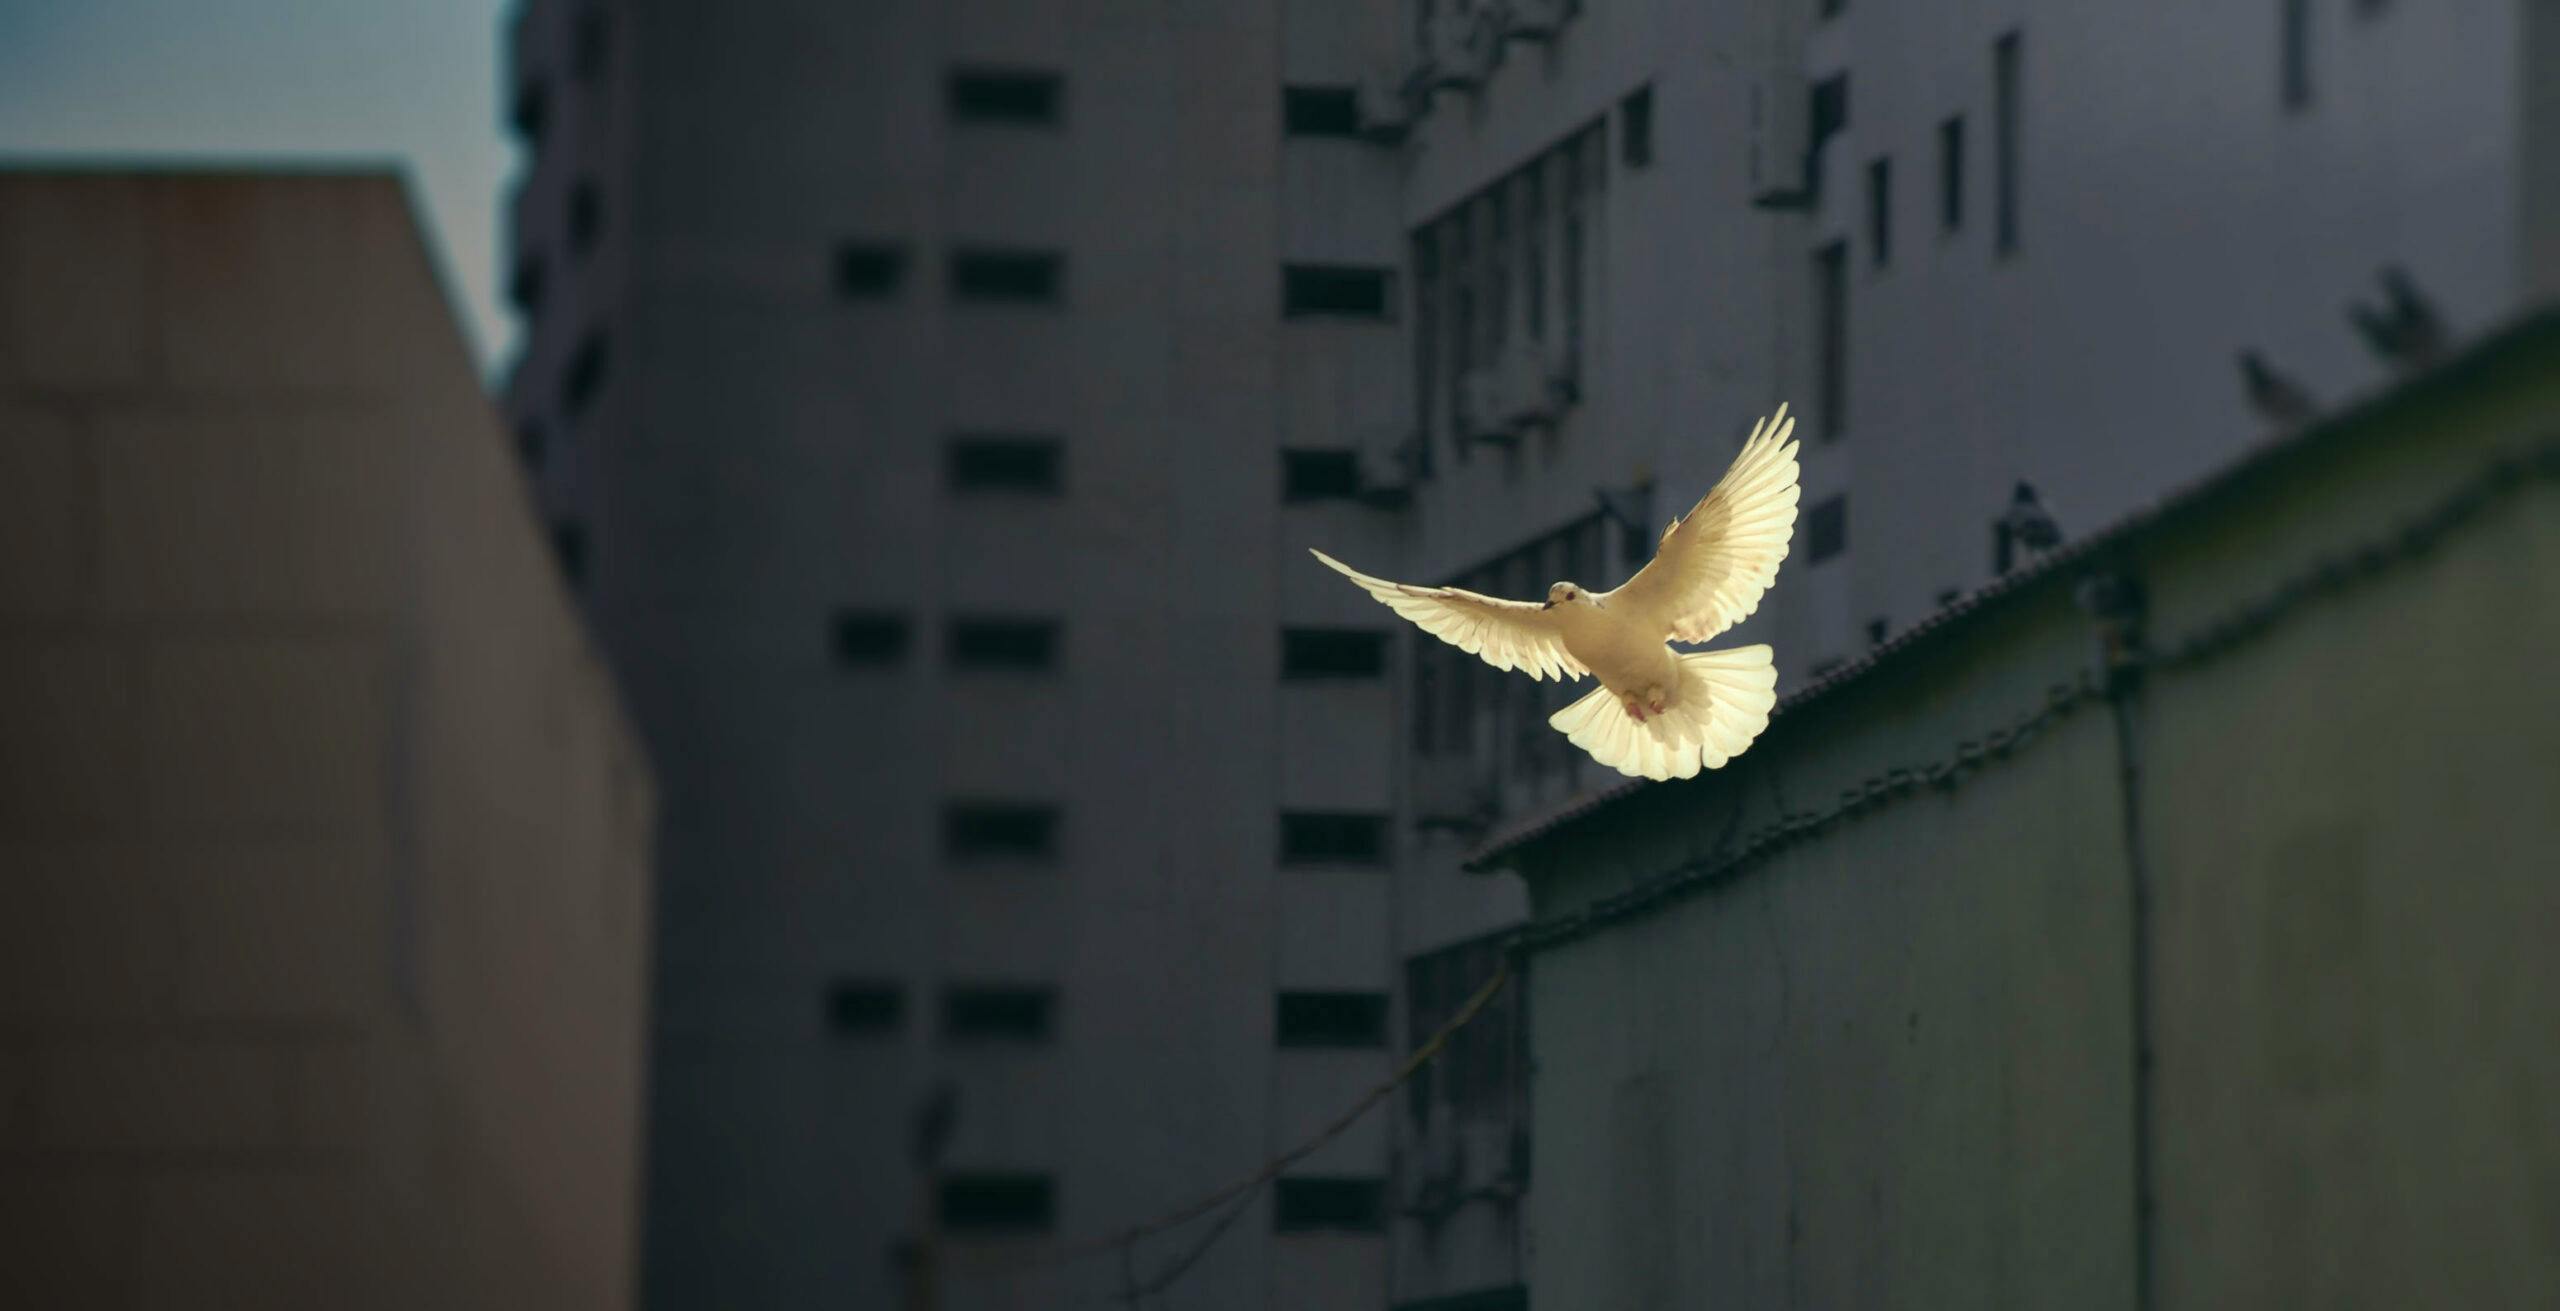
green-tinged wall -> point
(1892, 1060)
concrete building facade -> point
(933, 399)
(2158, 928)
(1973, 247)
(931, 395)
(323, 840)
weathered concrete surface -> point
(1894, 1064)
(323, 842)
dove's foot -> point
(1635, 707)
(1656, 700)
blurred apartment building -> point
(934, 401)
(324, 844)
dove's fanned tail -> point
(1724, 703)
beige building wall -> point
(323, 841)
(1852, 1028)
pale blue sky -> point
(410, 81)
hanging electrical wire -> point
(1242, 1188)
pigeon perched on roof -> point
(2275, 395)
(2026, 525)
(1658, 713)
(2406, 331)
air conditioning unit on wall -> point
(1391, 465)
(1462, 48)
(1528, 399)
(1535, 20)
(1384, 100)
(1777, 145)
(1564, 371)
(1483, 407)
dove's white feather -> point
(1724, 703)
(1518, 635)
(1716, 561)
(1712, 568)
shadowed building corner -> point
(323, 840)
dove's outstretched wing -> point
(1518, 635)
(1716, 561)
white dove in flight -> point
(1658, 713)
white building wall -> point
(2173, 212)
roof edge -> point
(2520, 331)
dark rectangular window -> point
(995, 463)
(1826, 529)
(1331, 1019)
(1427, 290)
(2004, 143)
(1459, 237)
(1332, 653)
(1880, 210)
(869, 637)
(569, 546)
(1320, 111)
(868, 270)
(1315, 1203)
(532, 111)
(1572, 210)
(1006, 95)
(1459, 703)
(2296, 39)
(1828, 117)
(1318, 475)
(1334, 291)
(1017, 276)
(1012, 830)
(586, 373)
(1426, 340)
(1831, 336)
(865, 1008)
(999, 1203)
(1830, 108)
(1635, 128)
(586, 216)
(1951, 174)
(1320, 837)
(997, 1012)
(1425, 701)
(525, 285)
(992, 643)
(1533, 247)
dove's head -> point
(1569, 594)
